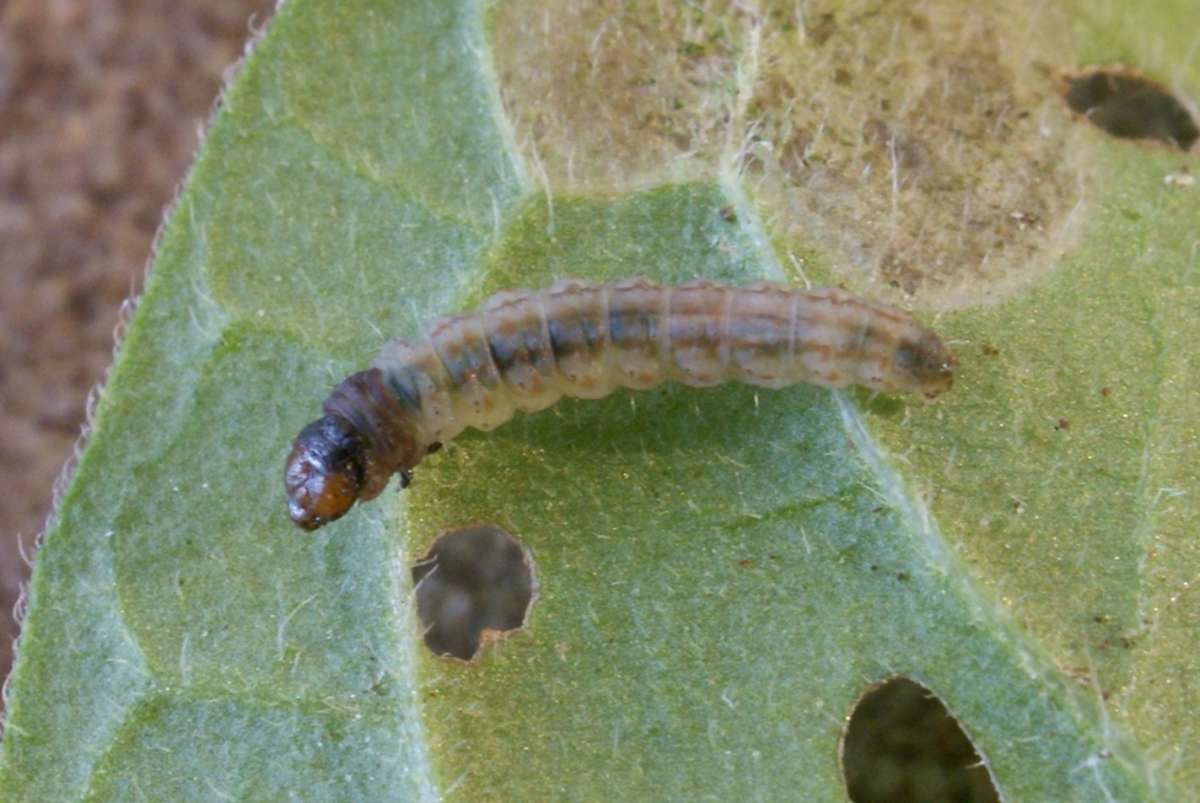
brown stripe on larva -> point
(523, 350)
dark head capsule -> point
(324, 472)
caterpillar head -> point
(325, 471)
(924, 364)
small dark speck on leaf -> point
(821, 28)
(728, 214)
(1062, 424)
(902, 576)
(990, 350)
(1106, 392)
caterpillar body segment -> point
(524, 350)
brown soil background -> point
(101, 105)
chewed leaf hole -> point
(1127, 105)
(475, 583)
(902, 744)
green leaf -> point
(722, 573)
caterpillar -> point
(524, 350)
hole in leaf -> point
(902, 744)
(1129, 106)
(474, 584)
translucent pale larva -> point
(524, 350)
